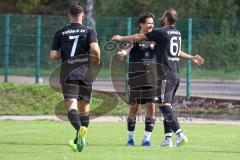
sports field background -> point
(213, 32)
(48, 139)
(40, 140)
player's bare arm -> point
(134, 38)
(196, 58)
(54, 55)
(95, 51)
(126, 50)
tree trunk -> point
(90, 12)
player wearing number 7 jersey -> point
(74, 42)
(168, 50)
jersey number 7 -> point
(74, 44)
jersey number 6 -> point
(175, 46)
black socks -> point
(131, 124)
(149, 124)
(85, 120)
(74, 119)
(170, 120)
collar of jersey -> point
(76, 24)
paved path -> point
(120, 119)
(223, 89)
(209, 88)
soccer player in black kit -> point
(141, 80)
(168, 50)
(72, 44)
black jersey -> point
(142, 63)
(73, 40)
(168, 47)
(142, 52)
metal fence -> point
(26, 41)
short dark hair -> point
(171, 15)
(76, 9)
(142, 18)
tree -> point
(90, 12)
(214, 9)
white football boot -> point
(167, 142)
(181, 139)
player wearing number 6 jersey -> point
(168, 50)
(74, 42)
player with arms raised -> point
(168, 50)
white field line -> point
(120, 119)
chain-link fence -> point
(26, 41)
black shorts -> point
(167, 88)
(77, 89)
(141, 95)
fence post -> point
(189, 61)
(7, 47)
(38, 51)
(129, 26)
(129, 32)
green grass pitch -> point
(47, 140)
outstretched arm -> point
(134, 38)
(196, 59)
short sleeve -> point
(56, 41)
(92, 36)
(155, 35)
